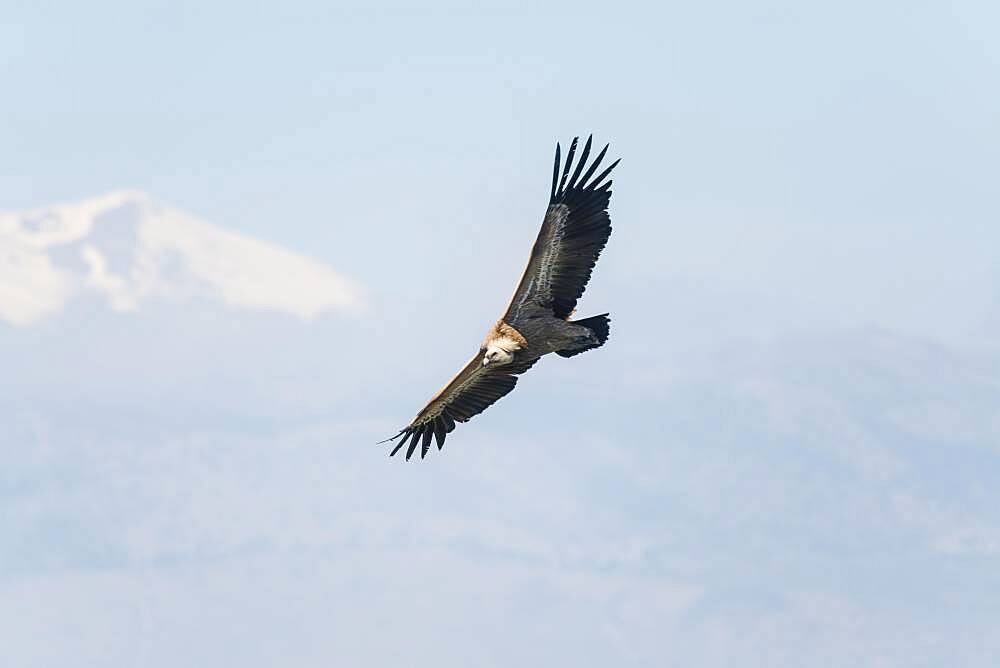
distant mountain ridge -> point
(128, 249)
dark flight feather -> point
(574, 232)
(474, 389)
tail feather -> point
(600, 325)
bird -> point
(574, 231)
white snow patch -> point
(128, 248)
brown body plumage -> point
(502, 334)
(574, 231)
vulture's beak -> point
(486, 361)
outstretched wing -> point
(575, 229)
(473, 389)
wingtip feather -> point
(581, 163)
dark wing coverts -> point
(575, 229)
(474, 389)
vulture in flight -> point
(537, 321)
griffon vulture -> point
(537, 321)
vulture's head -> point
(495, 356)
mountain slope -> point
(128, 249)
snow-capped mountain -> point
(127, 249)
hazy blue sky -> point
(788, 453)
(828, 136)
